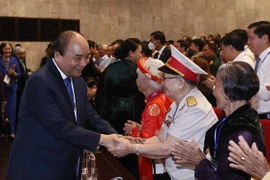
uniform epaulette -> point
(191, 101)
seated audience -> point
(236, 83)
(209, 51)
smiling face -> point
(76, 57)
(171, 85)
(7, 50)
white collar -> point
(161, 50)
(61, 72)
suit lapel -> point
(62, 87)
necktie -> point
(257, 64)
(69, 88)
(156, 55)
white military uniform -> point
(190, 120)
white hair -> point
(18, 49)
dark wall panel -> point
(34, 29)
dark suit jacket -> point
(23, 77)
(165, 55)
(91, 70)
(49, 140)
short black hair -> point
(90, 81)
(262, 30)
(170, 41)
(146, 50)
(158, 35)
(242, 33)
(235, 41)
(212, 46)
(258, 23)
(240, 81)
(117, 41)
(92, 44)
(183, 44)
(199, 43)
(130, 44)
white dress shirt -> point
(243, 57)
(261, 101)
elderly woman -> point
(236, 83)
(190, 116)
(157, 104)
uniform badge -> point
(154, 110)
(168, 122)
(191, 101)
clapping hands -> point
(187, 152)
(247, 159)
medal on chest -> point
(169, 120)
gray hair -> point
(18, 50)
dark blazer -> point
(23, 77)
(91, 70)
(165, 55)
(48, 140)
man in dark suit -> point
(20, 54)
(54, 113)
(157, 42)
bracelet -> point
(137, 149)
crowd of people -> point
(151, 103)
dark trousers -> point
(164, 176)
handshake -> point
(119, 145)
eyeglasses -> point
(170, 77)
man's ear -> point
(182, 83)
(57, 56)
(130, 53)
(265, 38)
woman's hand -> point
(249, 160)
(11, 71)
(187, 152)
(129, 125)
(210, 82)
